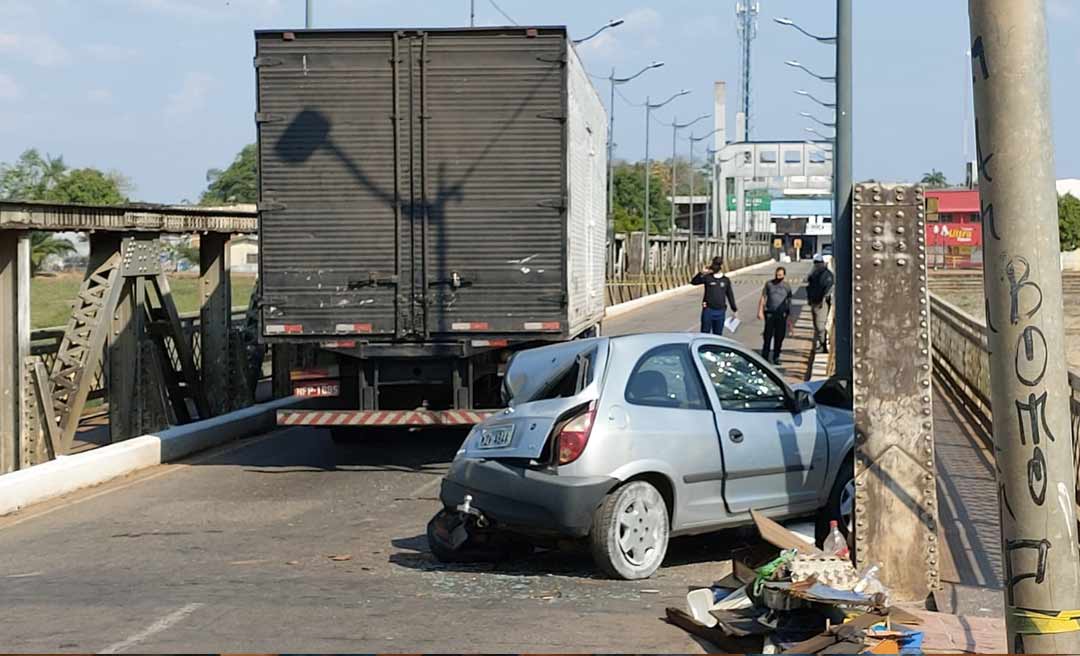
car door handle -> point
(736, 435)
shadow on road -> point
(576, 562)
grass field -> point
(51, 296)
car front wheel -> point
(629, 536)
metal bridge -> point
(273, 507)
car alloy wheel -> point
(639, 528)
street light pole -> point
(616, 81)
(842, 172)
(649, 106)
(1029, 385)
(693, 188)
(472, 13)
(675, 127)
(309, 14)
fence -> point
(962, 359)
(45, 343)
(673, 261)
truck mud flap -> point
(420, 418)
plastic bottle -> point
(836, 544)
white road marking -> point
(157, 627)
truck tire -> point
(630, 531)
(841, 505)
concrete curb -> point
(68, 474)
(636, 304)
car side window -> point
(665, 378)
(741, 383)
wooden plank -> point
(780, 537)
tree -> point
(935, 179)
(237, 184)
(87, 187)
(1069, 222)
(629, 197)
(36, 178)
(31, 177)
(44, 245)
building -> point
(954, 238)
(801, 227)
(244, 254)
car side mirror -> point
(803, 401)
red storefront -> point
(954, 237)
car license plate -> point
(496, 438)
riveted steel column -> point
(14, 343)
(215, 321)
(1025, 322)
(124, 379)
(895, 479)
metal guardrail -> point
(45, 343)
(962, 358)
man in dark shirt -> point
(718, 297)
(819, 287)
(774, 309)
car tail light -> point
(574, 436)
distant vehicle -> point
(627, 441)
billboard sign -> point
(954, 234)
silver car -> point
(628, 441)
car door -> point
(670, 421)
(774, 458)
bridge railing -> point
(673, 261)
(962, 358)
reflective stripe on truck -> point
(381, 417)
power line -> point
(627, 100)
(504, 14)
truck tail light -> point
(574, 436)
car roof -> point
(647, 340)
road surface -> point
(287, 542)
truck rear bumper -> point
(338, 418)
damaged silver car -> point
(625, 442)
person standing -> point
(774, 309)
(819, 287)
(718, 297)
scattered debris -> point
(650, 592)
(293, 562)
(340, 559)
(799, 600)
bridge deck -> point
(125, 218)
(289, 543)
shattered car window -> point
(665, 378)
(740, 383)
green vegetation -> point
(51, 296)
(1069, 222)
(237, 184)
(935, 179)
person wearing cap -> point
(819, 287)
(718, 297)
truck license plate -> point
(317, 390)
(496, 438)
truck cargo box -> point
(429, 186)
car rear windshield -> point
(564, 382)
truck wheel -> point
(629, 537)
(841, 505)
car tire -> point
(630, 530)
(841, 505)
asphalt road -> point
(289, 543)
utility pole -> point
(842, 178)
(309, 14)
(1025, 324)
(472, 13)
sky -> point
(162, 90)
